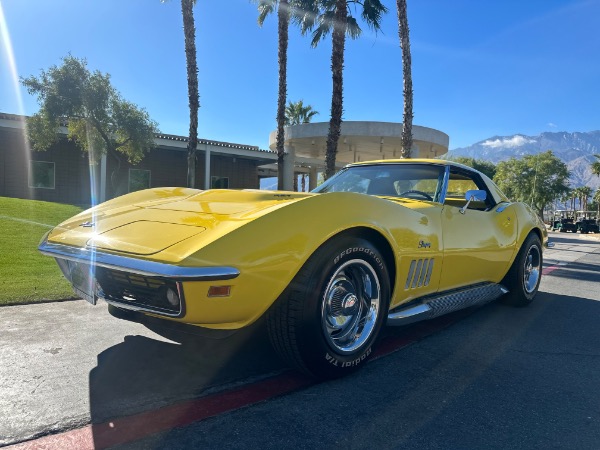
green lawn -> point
(25, 275)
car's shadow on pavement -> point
(531, 370)
(143, 374)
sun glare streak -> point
(93, 162)
(9, 56)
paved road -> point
(503, 377)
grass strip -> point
(26, 276)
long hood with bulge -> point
(158, 221)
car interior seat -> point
(382, 186)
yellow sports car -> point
(382, 242)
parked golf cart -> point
(587, 222)
(564, 221)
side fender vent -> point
(419, 273)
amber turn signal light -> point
(219, 291)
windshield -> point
(417, 181)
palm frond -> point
(304, 14)
(322, 30)
(372, 13)
(352, 28)
(265, 8)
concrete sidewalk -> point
(67, 364)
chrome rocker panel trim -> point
(445, 303)
(137, 266)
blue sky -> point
(480, 68)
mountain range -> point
(577, 150)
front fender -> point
(269, 252)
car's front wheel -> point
(326, 322)
(523, 278)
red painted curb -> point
(550, 269)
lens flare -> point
(7, 50)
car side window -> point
(459, 183)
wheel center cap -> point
(349, 303)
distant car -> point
(392, 241)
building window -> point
(138, 179)
(219, 182)
(41, 175)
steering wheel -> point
(421, 193)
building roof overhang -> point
(361, 140)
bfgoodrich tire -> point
(327, 321)
(523, 278)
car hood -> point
(152, 225)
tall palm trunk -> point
(189, 31)
(337, 97)
(407, 116)
(283, 20)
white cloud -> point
(512, 142)
(552, 125)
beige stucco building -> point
(305, 145)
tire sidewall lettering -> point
(335, 361)
(366, 251)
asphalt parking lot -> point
(498, 377)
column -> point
(207, 168)
(312, 178)
(289, 160)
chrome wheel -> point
(351, 305)
(531, 272)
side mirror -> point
(473, 195)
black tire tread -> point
(283, 320)
(512, 279)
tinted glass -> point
(416, 181)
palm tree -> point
(574, 195)
(325, 16)
(596, 166)
(597, 201)
(266, 7)
(584, 195)
(296, 113)
(580, 194)
(407, 116)
(189, 32)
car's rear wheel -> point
(326, 322)
(523, 278)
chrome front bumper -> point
(142, 267)
(85, 267)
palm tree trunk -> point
(337, 96)
(283, 16)
(407, 117)
(189, 31)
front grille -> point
(138, 291)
